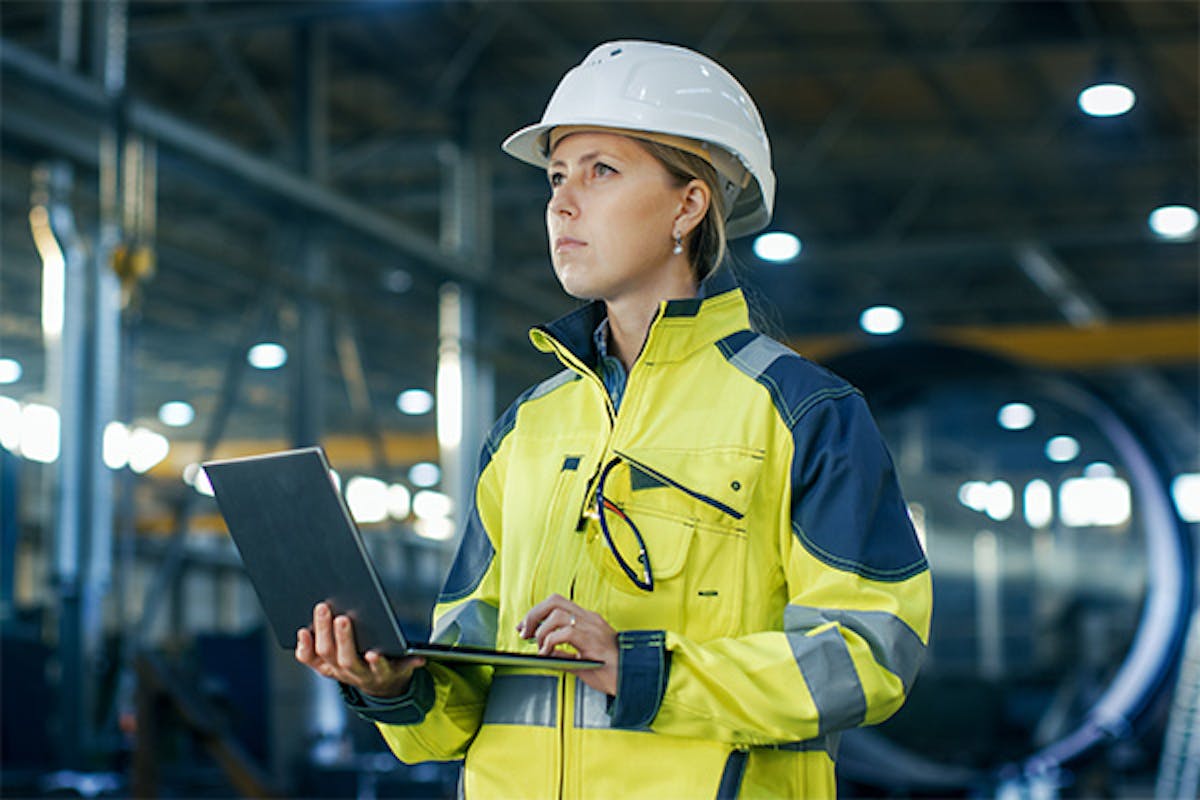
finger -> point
(347, 649)
(306, 655)
(323, 632)
(558, 619)
(304, 646)
(528, 626)
(384, 668)
(555, 639)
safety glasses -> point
(604, 508)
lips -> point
(567, 243)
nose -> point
(563, 201)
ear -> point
(694, 201)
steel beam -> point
(213, 151)
(245, 84)
(1173, 341)
(239, 20)
(467, 56)
(1156, 399)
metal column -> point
(312, 325)
(104, 378)
(308, 718)
(82, 329)
(465, 382)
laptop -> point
(300, 547)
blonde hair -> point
(706, 244)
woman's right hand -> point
(328, 648)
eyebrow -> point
(585, 158)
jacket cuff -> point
(409, 708)
(643, 665)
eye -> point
(556, 179)
(603, 169)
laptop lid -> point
(300, 546)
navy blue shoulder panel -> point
(847, 509)
(795, 383)
(475, 551)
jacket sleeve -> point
(443, 709)
(849, 641)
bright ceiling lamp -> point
(439, 529)
(10, 424)
(176, 414)
(1086, 502)
(1174, 222)
(399, 501)
(1062, 449)
(432, 504)
(146, 449)
(881, 320)
(994, 499)
(115, 445)
(39, 433)
(267, 355)
(415, 402)
(367, 498)
(777, 247)
(1016, 416)
(10, 370)
(424, 474)
(1106, 100)
(1039, 503)
(1185, 490)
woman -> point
(689, 502)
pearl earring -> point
(678, 249)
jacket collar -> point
(682, 326)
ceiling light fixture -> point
(10, 370)
(1016, 416)
(777, 247)
(1062, 449)
(424, 474)
(414, 402)
(881, 320)
(267, 355)
(1174, 222)
(1106, 100)
(176, 414)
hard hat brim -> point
(748, 215)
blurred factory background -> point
(227, 228)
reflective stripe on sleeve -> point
(895, 645)
(828, 670)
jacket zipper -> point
(570, 360)
(562, 733)
(563, 716)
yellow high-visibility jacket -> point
(791, 598)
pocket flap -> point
(722, 478)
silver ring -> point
(572, 620)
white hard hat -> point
(660, 88)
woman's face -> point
(610, 217)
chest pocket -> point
(690, 507)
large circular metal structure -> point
(1051, 636)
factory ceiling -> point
(931, 156)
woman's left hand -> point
(556, 621)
